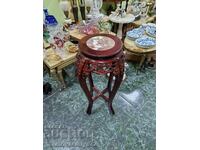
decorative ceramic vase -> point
(50, 20)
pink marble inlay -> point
(100, 43)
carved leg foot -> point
(85, 88)
(111, 108)
(89, 109)
(112, 93)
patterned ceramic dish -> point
(150, 29)
(135, 33)
(145, 42)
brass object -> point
(53, 57)
(72, 48)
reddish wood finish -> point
(107, 62)
(100, 54)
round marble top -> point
(100, 43)
(100, 46)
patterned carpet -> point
(133, 127)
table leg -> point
(89, 109)
(119, 31)
(124, 30)
(112, 93)
(54, 74)
(115, 27)
(84, 86)
(110, 80)
(61, 79)
(91, 84)
(45, 68)
(141, 62)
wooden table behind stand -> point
(131, 48)
(75, 34)
(55, 67)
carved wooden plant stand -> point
(100, 61)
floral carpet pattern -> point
(133, 127)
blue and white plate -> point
(145, 42)
(135, 33)
(151, 30)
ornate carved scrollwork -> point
(85, 65)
